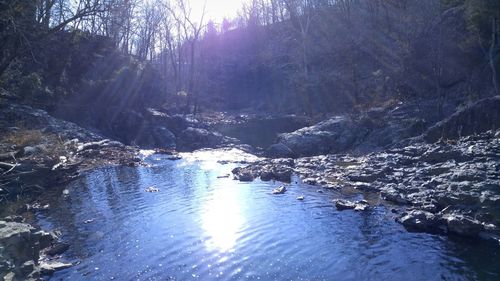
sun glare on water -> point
(222, 219)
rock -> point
(391, 194)
(45, 238)
(418, 220)
(18, 242)
(243, 174)
(344, 205)
(27, 268)
(196, 138)
(369, 175)
(462, 225)
(365, 132)
(330, 136)
(152, 189)
(10, 276)
(275, 169)
(279, 190)
(490, 237)
(57, 249)
(476, 118)
(361, 206)
(279, 150)
(278, 172)
(310, 181)
(163, 138)
(13, 219)
(341, 205)
(442, 154)
(174, 158)
(49, 267)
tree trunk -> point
(491, 54)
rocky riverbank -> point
(444, 177)
(445, 187)
(439, 177)
(37, 153)
(28, 253)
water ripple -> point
(201, 227)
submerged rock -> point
(49, 267)
(279, 190)
(152, 189)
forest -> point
(306, 57)
(283, 140)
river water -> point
(204, 226)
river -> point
(202, 225)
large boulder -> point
(196, 138)
(279, 150)
(370, 131)
(149, 129)
(331, 136)
(479, 117)
(163, 137)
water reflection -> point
(222, 219)
(203, 227)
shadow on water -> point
(261, 132)
(201, 227)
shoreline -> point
(443, 187)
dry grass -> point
(24, 138)
(51, 144)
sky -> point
(216, 10)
